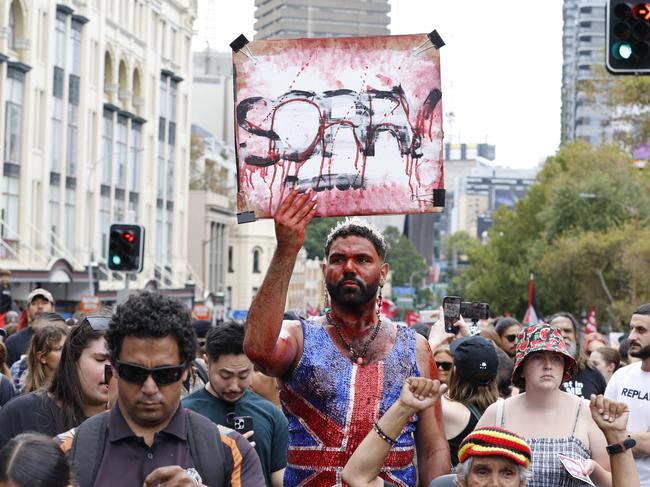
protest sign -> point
(358, 120)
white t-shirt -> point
(631, 385)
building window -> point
(55, 204)
(104, 220)
(230, 259)
(59, 40)
(11, 35)
(9, 213)
(107, 147)
(256, 261)
(159, 232)
(13, 115)
(69, 217)
(121, 150)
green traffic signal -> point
(622, 51)
(117, 260)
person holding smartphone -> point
(228, 400)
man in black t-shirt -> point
(587, 380)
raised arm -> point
(611, 417)
(431, 444)
(273, 352)
(364, 465)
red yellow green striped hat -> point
(493, 441)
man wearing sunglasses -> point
(148, 438)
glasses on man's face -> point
(98, 323)
(137, 374)
(511, 338)
(446, 366)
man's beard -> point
(572, 348)
(350, 298)
(643, 353)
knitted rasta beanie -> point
(495, 441)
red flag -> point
(532, 316)
(592, 324)
(388, 308)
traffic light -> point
(126, 247)
(628, 37)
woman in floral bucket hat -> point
(553, 422)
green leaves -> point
(582, 229)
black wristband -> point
(621, 446)
(383, 435)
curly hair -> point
(152, 315)
(355, 227)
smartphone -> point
(451, 310)
(242, 424)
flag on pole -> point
(532, 316)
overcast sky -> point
(501, 67)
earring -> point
(380, 300)
(326, 296)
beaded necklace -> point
(354, 355)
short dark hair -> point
(33, 459)
(355, 227)
(644, 309)
(227, 339)
(504, 323)
(152, 315)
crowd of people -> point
(144, 395)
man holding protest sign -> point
(340, 373)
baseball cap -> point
(475, 359)
(40, 292)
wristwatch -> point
(621, 446)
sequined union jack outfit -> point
(332, 403)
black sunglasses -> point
(446, 366)
(511, 338)
(162, 376)
(98, 323)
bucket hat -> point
(541, 338)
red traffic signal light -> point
(126, 247)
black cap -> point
(475, 359)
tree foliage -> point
(581, 229)
(404, 259)
(316, 236)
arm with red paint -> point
(364, 465)
(430, 440)
(271, 347)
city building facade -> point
(95, 99)
(584, 115)
(276, 19)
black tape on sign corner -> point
(435, 39)
(246, 217)
(238, 43)
(439, 198)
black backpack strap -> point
(207, 453)
(474, 411)
(88, 449)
